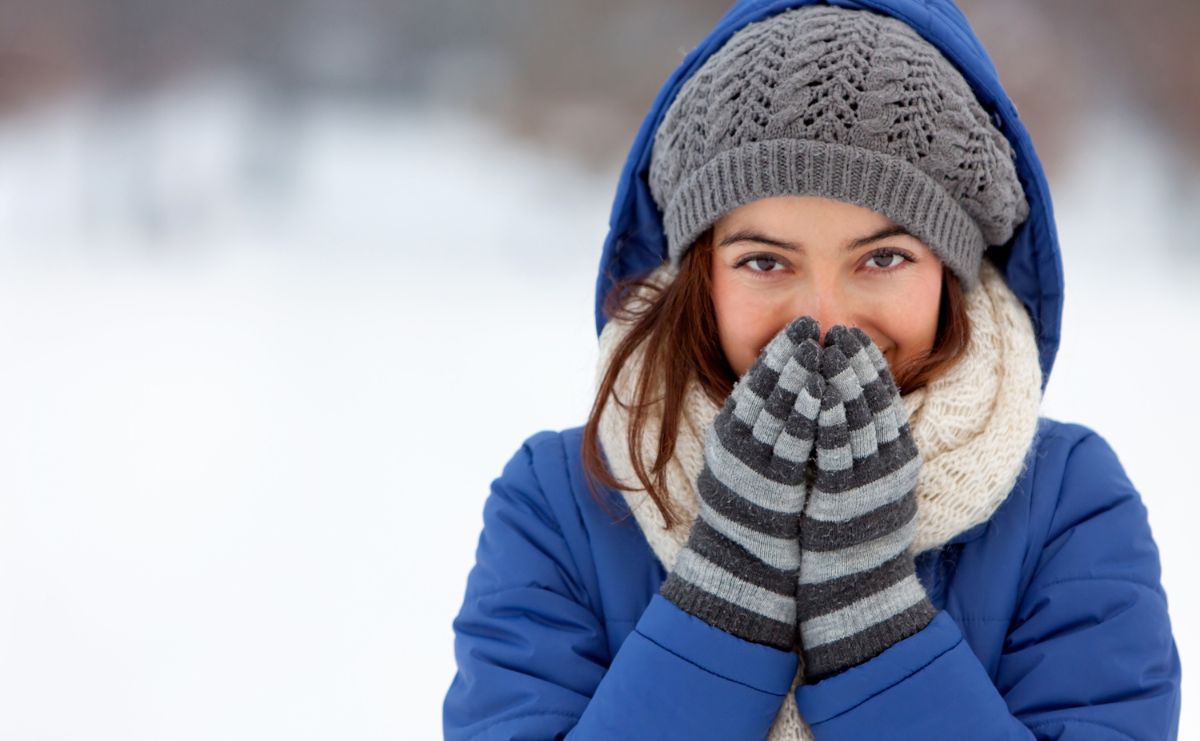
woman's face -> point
(779, 258)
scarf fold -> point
(973, 427)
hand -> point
(738, 569)
(858, 591)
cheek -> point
(745, 321)
(912, 329)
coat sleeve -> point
(1089, 653)
(533, 657)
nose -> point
(824, 301)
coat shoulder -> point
(1056, 433)
(1072, 458)
(1069, 460)
(545, 482)
(551, 461)
(554, 459)
(533, 536)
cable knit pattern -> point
(973, 427)
(845, 104)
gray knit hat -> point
(844, 104)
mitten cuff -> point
(735, 617)
(847, 637)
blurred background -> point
(284, 283)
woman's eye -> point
(887, 259)
(761, 263)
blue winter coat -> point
(1052, 619)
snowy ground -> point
(259, 373)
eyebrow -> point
(749, 235)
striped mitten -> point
(738, 569)
(858, 592)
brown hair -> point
(678, 326)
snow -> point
(261, 366)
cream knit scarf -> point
(973, 427)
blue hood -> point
(1031, 261)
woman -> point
(830, 301)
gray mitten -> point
(859, 592)
(739, 567)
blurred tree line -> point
(573, 74)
